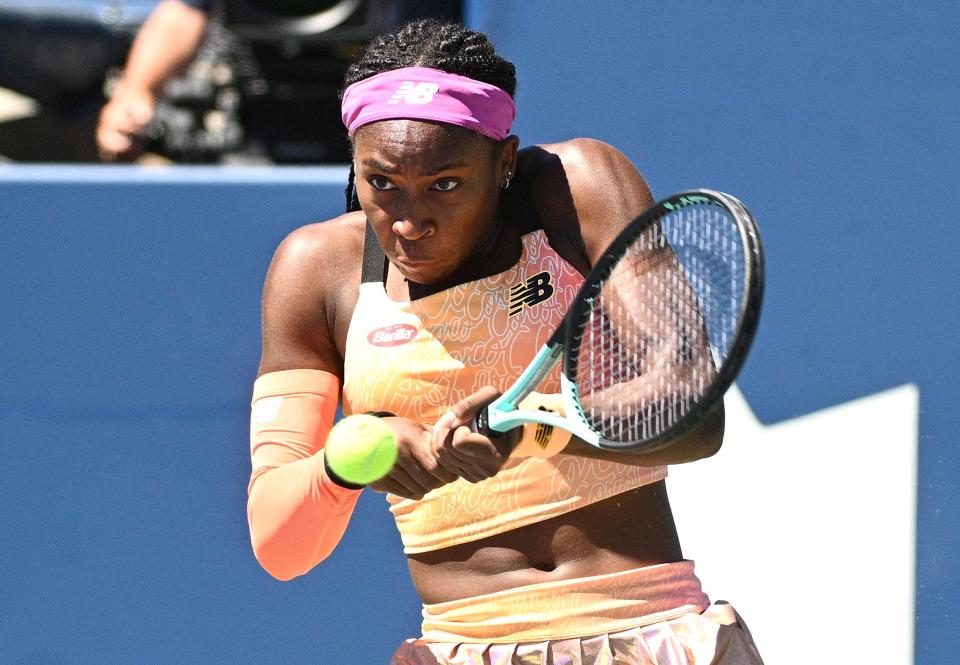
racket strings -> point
(662, 322)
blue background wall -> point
(131, 317)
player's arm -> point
(298, 305)
(297, 509)
(164, 45)
(296, 512)
(607, 193)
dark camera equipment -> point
(264, 86)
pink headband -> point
(421, 93)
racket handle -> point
(505, 442)
(481, 424)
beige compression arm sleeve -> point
(296, 513)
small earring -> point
(506, 180)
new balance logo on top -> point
(531, 292)
(410, 92)
(543, 434)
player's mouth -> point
(414, 263)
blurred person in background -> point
(54, 58)
(163, 48)
(185, 81)
(244, 81)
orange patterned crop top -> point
(416, 359)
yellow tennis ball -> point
(361, 449)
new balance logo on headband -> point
(422, 93)
(414, 93)
(531, 292)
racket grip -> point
(481, 424)
(505, 442)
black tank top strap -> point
(516, 203)
(374, 260)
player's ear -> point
(507, 156)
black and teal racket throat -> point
(658, 331)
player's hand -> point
(417, 470)
(121, 124)
(462, 450)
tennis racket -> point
(658, 331)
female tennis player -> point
(457, 258)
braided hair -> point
(430, 43)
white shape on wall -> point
(808, 527)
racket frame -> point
(503, 413)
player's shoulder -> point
(318, 238)
(332, 240)
(580, 160)
(307, 292)
(318, 257)
(569, 183)
(585, 190)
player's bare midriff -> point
(626, 531)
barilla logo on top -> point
(412, 92)
(394, 335)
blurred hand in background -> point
(164, 46)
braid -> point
(350, 193)
(430, 43)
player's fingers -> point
(402, 483)
(397, 483)
(464, 411)
(417, 467)
(422, 461)
(473, 454)
(441, 467)
(410, 473)
(453, 457)
(488, 444)
(440, 443)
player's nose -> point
(409, 227)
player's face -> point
(431, 192)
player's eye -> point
(446, 185)
(380, 183)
